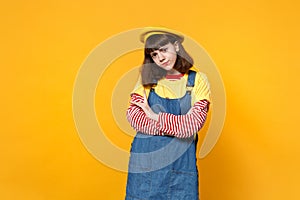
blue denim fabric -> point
(164, 167)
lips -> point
(165, 63)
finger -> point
(145, 94)
(134, 103)
(190, 111)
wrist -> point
(154, 116)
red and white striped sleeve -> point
(181, 126)
(138, 119)
(184, 126)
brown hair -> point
(151, 72)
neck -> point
(173, 72)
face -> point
(165, 57)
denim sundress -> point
(164, 167)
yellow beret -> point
(148, 31)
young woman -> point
(168, 107)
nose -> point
(160, 56)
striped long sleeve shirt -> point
(181, 126)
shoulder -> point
(201, 86)
(200, 77)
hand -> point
(146, 108)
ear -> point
(176, 45)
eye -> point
(153, 54)
(163, 50)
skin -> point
(165, 57)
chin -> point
(168, 68)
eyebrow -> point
(163, 46)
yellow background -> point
(253, 43)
